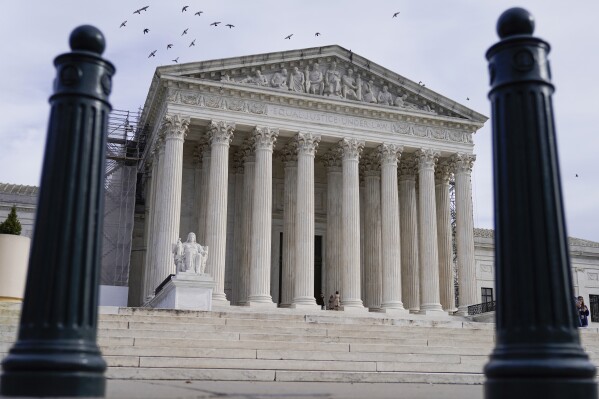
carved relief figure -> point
(178, 254)
(359, 87)
(314, 80)
(332, 80)
(225, 78)
(279, 79)
(348, 85)
(194, 256)
(368, 92)
(296, 81)
(385, 98)
(257, 79)
(400, 101)
(426, 107)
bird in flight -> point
(395, 15)
(152, 54)
(193, 43)
(184, 32)
(176, 60)
(215, 23)
(199, 13)
(467, 98)
(146, 31)
(123, 24)
(577, 175)
(289, 37)
(230, 26)
(184, 8)
(140, 10)
(169, 46)
(317, 34)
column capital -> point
(370, 165)
(175, 126)
(408, 167)
(351, 149)
(332, 158)
(427, 158)
(288, 153)
(462, 163)
(264, 137)
(443, 171)
(307, 143)
(389, 153)
(220, 132)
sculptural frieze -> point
(279, 80)
(314, 80)
(296, 80)
(333, 80)
(348, 86)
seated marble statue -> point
(279, 80)
(190, 256)
(427, 108)
(368, 92)
(296, 81)
(400, 101)
(385, 98)
(332, 80)
(225, 78)
(257, 79)
(314, 80)
(348, 86)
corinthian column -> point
(334, 239)
(262, 218)
(465, 231)
(446, 287)
(175, 129)
(148, 289)
(157, 215)
(237, 229)
(249, 163)
(372, 282)
(289, 155)
(351, 224)
(391, 254)
(429, 255)
(204, 189)
(408, 223)
(220, 134)
(304, 222)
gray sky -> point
(439, 42)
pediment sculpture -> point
(331, 81)
(190, 257)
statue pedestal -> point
(185, 290)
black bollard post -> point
(56, 353)
(538, 352)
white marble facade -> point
(309, 171)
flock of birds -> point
(215, 24)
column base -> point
(462, 311)
(496, 388)
(431, 308)
(262, 304)
(42, 383)
(221, 303)
(305, 306)
(285, 305)
(353, 309)
(218, 297)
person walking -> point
(583, 312)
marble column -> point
(175, 130)
(220, 134)
(147, 289)
(462, 164)
(262, 218)
(390, 236)
(334, 236)
(204, 189)
(237, 227)
(408, 223)
(197, 190)
(446, 287)
(157, 215)
(249, 163)
(372, 278)
(289, 157)
(350, 295)
(429, 250)
(307, 143)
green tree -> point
(11, 225)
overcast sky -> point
(439, 42)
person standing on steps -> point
(583, 312)
(337, 301)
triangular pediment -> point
(332, 72)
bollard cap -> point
(87, 38)
(515, 21)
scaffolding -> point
(124, 145)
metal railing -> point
(480, 308)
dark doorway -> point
(318, 270)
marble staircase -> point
(240, 344)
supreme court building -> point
(305, 172)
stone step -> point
(154, 373)
(193, 344)
(443, 350)
(380, 377)
(147, 351)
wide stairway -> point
(285, 345)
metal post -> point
(56, 352)
(538, 352)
